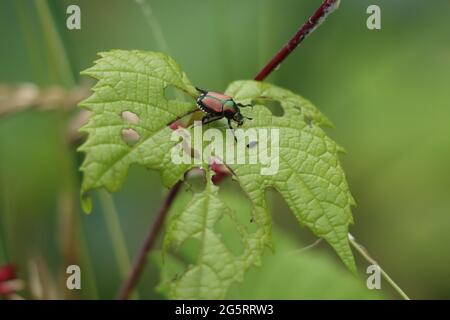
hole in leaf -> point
(189, 250)
(130, 117)
(229, 235)
(283, 216)
(235, 198)
(130, 136)
(196, 180)
(273, 105)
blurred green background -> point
(386, 91)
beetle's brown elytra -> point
(218, 105)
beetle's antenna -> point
(201, 90)
(245, 105)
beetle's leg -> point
(229, 124)
(201, 90)
(232, 129)
(245, 105)
(211, 118)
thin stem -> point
(308, 247)
(25, 18)
(86, 260)
(116, 233)
(326, 8)
(154, 25)
(60, 63)
(155, 28)
(366, 256)
(148, 244)
(57, 54)
(223, 41)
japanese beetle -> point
(217, 106)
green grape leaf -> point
(130, 113)
(309, 177)
(129, 97)
(216, 267)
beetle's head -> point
(239, 118)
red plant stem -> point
(327, 7)
(313, 22)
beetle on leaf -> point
(217, 106)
